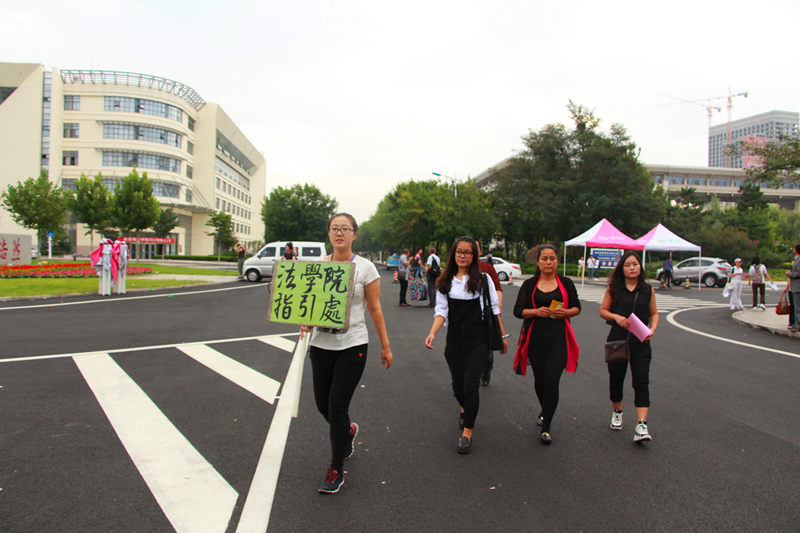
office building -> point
(74, 122)
(757, 129)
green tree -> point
(37, 204)
(167, 221)
(91, 204)
(134, 207)
(565, 180)
(223, 231)
(300, 212)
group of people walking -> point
(465, 298)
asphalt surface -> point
(723, 419)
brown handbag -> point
(620, 350)
(783, 304)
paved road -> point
(154, 415)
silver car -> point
(710, 270)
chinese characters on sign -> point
(15, 249)
(312, 293)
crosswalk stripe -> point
(192, 494)
(249, 379)
(666, 302)
(279, 342)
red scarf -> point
(573, 350)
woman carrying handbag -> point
(629, 293)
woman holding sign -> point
(338, 356)
(546, 302)
(628, 305)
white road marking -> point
(279, 342)
(192, 494)
(671, 320)
(258, 506)
(126, 298)
(251, 380)
(154, 347)
(664, 300)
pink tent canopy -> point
(605, 235)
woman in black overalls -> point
(459, 304)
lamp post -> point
(453, 180)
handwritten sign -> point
(312, 293)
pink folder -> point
(638, 328)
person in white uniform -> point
(121, 252)
(104, 264)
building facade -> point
(757, 129)
(85, 122)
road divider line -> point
(141, 348)
(671, 320)
(279, 342)
(124, 299)
(258, 506)
(249, 379)
(192, 494)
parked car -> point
(392, 261)
(34, 253)
(505, 269)
(710, 270)
(261, 264)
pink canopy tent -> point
(602, 235)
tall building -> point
(74, 122)
(757, 129)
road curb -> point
(777, 331)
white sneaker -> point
(763, 307)
(616, 420)
(640, 432)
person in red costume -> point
(546, 302)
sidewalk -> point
(767, 320)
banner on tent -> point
(607, 257)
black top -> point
(464, 320)
(544, 326)
(624, 306)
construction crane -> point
(702, 103)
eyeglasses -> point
(343, 230)
(465, 253)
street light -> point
(453, 180)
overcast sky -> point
(356, 96)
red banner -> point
(150, 240)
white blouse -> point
(458, 291)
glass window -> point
(720, 182)
(675, 180)
(697, 181)
(167, 190)
(72, 102)
(188, 195)
(688, 263)
(268, 252)
(69, 158)
(71, 130)
(190, 147)
(137, 132)
(189, 171)
(131, 159)
(310, 251)
(140, 105)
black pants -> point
(791, 308)
(548, 357)
(667, 275)
(403, 287)
(431, 292)
(641, 355)
(336, 376)
(759, 287)
(466, 358)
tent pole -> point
(699, 269)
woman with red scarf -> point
(546, 302)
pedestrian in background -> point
(459, 306)
(757, 274)
(545, 303)
(289, 253)
(629, 293)
(486, 267)
(433, 268)
(121, 252)
(402, 276)
(794, 287)
(338, 357)
(240, 253)
(735, 281)
(666, 272)
(581, 266)
(592, 266)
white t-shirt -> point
(762, 269)
(431, 258)
(356, 334)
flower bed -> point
(59, 271)
(45, 266)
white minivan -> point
(260, 265)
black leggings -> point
(641, 355)
(466, 359)
(548, 357)
(336, 375)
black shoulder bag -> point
(493, 335)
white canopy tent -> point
(660, 239)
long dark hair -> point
(445, 279)
(616, 281)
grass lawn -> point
(53, 286)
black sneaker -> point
(333, 481)
(353, 433)
(485, 379)
(464, 444)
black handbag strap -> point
(633, 312)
